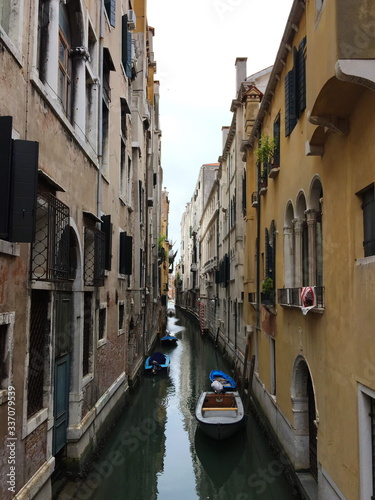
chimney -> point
(240, 72)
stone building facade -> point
(80, 217)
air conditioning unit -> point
(132, 20)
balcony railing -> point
(292, 297)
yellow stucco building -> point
(310, 229)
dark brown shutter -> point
(107, 230)
(5, 172)
(23, 191)
(126, 255)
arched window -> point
(315, 233)
(301, 257)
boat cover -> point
(158, 357)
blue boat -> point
(157, 362)
(169, 340)
(225, 380)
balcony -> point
(291, 297)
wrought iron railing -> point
(292, 296)
(50, 251)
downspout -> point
(100, 114)
(258, 252)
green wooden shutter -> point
(110, 7)
(290, 102)
(301, 78)
(126, 55)
(276, 136)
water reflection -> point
(156, 450)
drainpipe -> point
(100, 114)
(258, 251)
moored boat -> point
(220, 415)
(157, 362)
(169, 339)
(225, 380)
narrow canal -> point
(156, 450)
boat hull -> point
(220, 415)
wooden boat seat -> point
(234, 408)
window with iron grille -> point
(37, 350)
(102, 327)
(368, 208)
(6, 334)
(121, 316)
(94, 266)
(87, 334)
(50, 251)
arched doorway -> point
(305, 418)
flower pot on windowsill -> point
(274, 170)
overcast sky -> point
(196, 44)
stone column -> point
(311, 230)
(298, 251)
(288, 257)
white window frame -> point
(7, 319)
(365, 443)
(103, 340)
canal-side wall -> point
(85, 438)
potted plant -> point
(266, 154)
(267, 295)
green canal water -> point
(156, 451)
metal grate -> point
(37, 348)
(87, 333)
(50, 252)
(94, 257)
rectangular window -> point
(107, 230)
(65, 74)
(94, 263)
(121, 316)
(50, 252)
(368, 208)
(126, 254)
(10, 19)
(37, 350)
(102, 323)
(273, 366)
(87, 334)
(366, 418)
